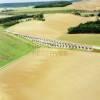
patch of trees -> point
(9, 21)
(89, 27)
(39, 17)
(76, 13)
(99, 14)
(53, 4)
(89, 15)
(83, 14)
(7, 24)
(14, 18)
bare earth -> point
(51, 74)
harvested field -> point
(86, 5)
(52, 74)
(54, 26)
(39, 76)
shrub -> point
(39, 17)
(77, 13)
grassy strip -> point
(12, 48)
(39, 10)
(88, 39)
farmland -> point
(83, 38)
(55, 26)
(12, 48)
(38, 10)
(48, 73)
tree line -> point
(53, 4)
(9, 21)
(89, 27)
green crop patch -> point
(12, 48)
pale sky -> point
(9, 1)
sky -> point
(9, 1)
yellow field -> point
(52, 74)
(54, 26)
(86, 5)
(70, 75)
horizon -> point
(26, 1)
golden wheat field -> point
(51, 74)
(55, 25)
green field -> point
(12, 47)
(89, 39)
(39, 10)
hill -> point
(86, 5)
(56, 26)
